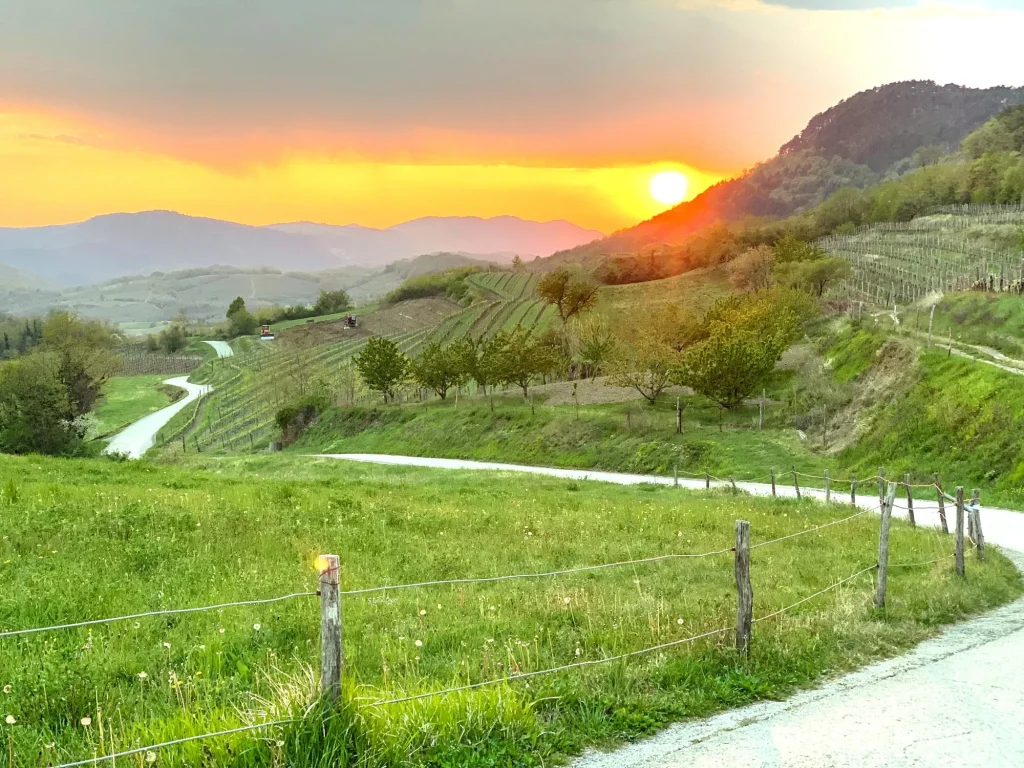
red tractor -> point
(266, 334)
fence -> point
(331, 595)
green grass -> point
(127, 399)
(286, 324)
(991, 320)
(85, 539)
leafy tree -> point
(752, 269)
(173, 338)
(644, 362)
(237, 305)
(597, 343)
(439, 367)
(571, 291)
(520, 358)
(792, 249)
(728, 366)
(86, 356)
(815, 276)
(36, 414)
(483, 360)
(382, 366)
(517, 263)
(332, 302)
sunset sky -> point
(379, 111)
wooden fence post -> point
(332, 655)
(959, 549)
(970, 520)
(707, 479)
(881, 485)
(733, 481)
(796, 482)
(942, 505)
(745, 594)
(853, 489)
(773, 482)
(910, 501)
(679, 416)
(979, 537)
(183, 448)
(675, 475)
(883, 546)
(828, 487)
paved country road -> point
(956, 700)
(138, 438)
(222, 348)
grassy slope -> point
(126, 399)
(243, 528)
(991, 320)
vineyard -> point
(955, 249)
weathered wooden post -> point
(979, 536)
(198, 449)
(970, 519)
(881, 485)
(773, 482)
(853, 489)
(958, 551)
(744, 592)
(883, 547)
(796, 482)
(332, 654)
(942, 504)
(733, 481)
(675, 475)
(828, 487)
(910, 501)
(183, 448)
(679, 416)
(707, 479)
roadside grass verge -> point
(127, 399)
(87, 539)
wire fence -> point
(331, 594)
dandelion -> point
(439, 606)
(10, 720)
(138, 624)
(280, 743)
(7, 688)
(423, 611)
(151, 757)
(142, 675)
(578, 652)
(221, 630)
(567, 600)
(419, 643)
(491, 608)
(86, 721)
(167, 646)
(51, 745)
(202, 647)
(256, 627)
(679, 622)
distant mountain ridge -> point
(115, 245)
(875, 133)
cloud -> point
(843, 5)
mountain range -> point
(121, 244)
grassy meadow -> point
(91, 538)
(127, 399)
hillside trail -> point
(1001, 361)
(956, 699)
(137, 438)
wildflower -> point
(491, 608)
(280, 743)
(567, 600)
(419, 643)
(167, 646)
(202, 647)
(51, 745)
(423, 611)
(679, 622)
(256, 627)
(10, 720)
(138, 624)
(439, 606)
(221, 630)
(7, 688)
(578, 651)
(151, 757)
(142, 675)
(86, 721)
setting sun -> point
(668, 187)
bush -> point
(36, 414)
(451, 283)
(295, 418)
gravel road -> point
(956, 700)
(138, 438)
(222, 348)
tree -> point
(439, 367)
(382, 366)
(644, 363)
(752, 269)
(36, 415)
(517, 263)
(483, 360)
(572, 292)
(597, 343)
(173, 338)
(728, 366)
(332, 302)
(792, 249)
(240, 321)
(86, 356)
(815, 276)
(519, 358)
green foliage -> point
(814, 276)
(452, 283)
(36, 413)
(440, 367)
(85, 351)
(173, 338)
(241, 322)
(519, 358)
(791, 249)
(382, 366)
(332, 302)
(1003, 133)
(10, 493)
(236, 306)
(570, 291)
(293, 419)
(728, 366)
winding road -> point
(222, 348)
(955, 700)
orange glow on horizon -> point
(61, 170)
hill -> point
(121, 244)
(877, 133)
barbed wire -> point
(168, 612)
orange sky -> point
(375, 113)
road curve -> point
(222, 348)
(955, 700)
(139, 437)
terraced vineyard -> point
(956, 249)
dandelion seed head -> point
(86, 721)
(10, 720)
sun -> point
(668, 187)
